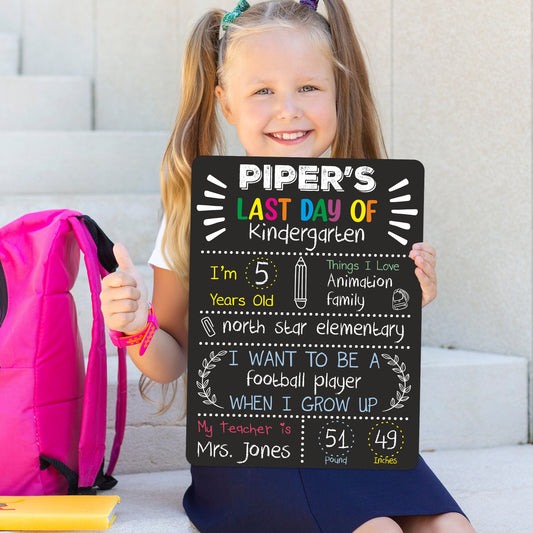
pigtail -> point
(195, 133)
(358, 130)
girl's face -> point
(280, 95)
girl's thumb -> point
(123, 258)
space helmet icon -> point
(400, 299)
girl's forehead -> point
(278, 46)
(268, 36)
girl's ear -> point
(222, 99)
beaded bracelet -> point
(143, 338)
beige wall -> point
(453, 85)
(462, 105)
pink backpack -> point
(52, 411)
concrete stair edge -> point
(46, 103)
(481, 399)
(88, 162)
(9, 54)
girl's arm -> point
(124, 306)
(425, 258)
(171, 302)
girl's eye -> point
(263, 91)
(307, 88)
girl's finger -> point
(119, 279)
(425, 262)
(119, 321)
(425, 247)
(123, 258)
(428, 286)
(122, 306)
(427, 256)
(126, 292)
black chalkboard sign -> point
(304, 314)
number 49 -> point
(388, 442)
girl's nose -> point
(288, 108)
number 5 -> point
(332, 437)
(259, 271)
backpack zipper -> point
(3, 295)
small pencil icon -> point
(300, 283)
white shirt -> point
(157, 259)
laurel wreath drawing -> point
(404, 389)
(205, 389)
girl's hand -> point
(425, 258)
(124, 296)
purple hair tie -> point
(312, 4)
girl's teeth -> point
(288, 136)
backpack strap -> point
(120, 410)
(102, 481)
(93, 427)
(109, 263)
(69, 474)
(3, 294)
(104, 246)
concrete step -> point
(87, 162)
(10, 16)
(59, 38)
(458, 410)
(493, 486)
(132, 219)
(152, 442)
(46, 103)
(9, 54)
(471, 399)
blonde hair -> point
(207, 59)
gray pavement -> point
(494, 486)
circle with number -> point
(386, 439)
(336, 438)
(261, 273)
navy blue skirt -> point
(282, 500)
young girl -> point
(294, 84)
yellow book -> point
(57, 513)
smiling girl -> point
(294, 84)
(280, 107)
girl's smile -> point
(290, 137)
(279, 92)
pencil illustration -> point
(300, 283)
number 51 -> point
(331, 436)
